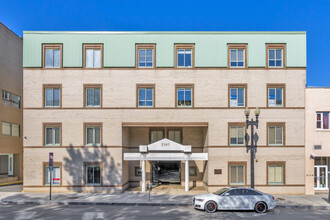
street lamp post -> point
(254, 138)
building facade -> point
(11, 112)
(317, 139)
(95, 98)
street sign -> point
(50, 165)
(51, 161)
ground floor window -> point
(56, 175)
(175, 135)
(156, 135)
(237, 172)
(276, 173)
(93, 174)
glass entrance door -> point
(320, 177)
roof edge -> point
(164, 32)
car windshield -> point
(221, 191)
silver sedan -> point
(240, 198)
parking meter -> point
(149, 187)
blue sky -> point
(176, 15)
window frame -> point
(146, 86)
(237, 163)
(52, 46)
(174, 129)
(236, 124)
(322, 129)
(10, 100)
(93, 164)
(55, 164)
(51, 86)
(276, 86)
(184, 86)
(276, 124)
(184, 47)
(93, 86)
(156, 129)
(237, 86)
(93, 124)
(237, 47)
(151, 46)
(51, 124)
(94, 46)
(11, 129)
(281, 46)
(276, 163)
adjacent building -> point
(119, 109)
(317, 155)
(11, 113)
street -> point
(10, 211)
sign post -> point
(50, 167)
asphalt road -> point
(10, 211)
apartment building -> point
(11, 112)
(317, 155)
(120, 109)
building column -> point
(143, 175)
(187, 176)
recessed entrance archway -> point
(165, 150)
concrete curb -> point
(151, 203)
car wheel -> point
(260, 207)
(210, 207)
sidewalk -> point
(141, 199)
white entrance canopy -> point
(165, 150)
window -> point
(275, 55)
(52, 135)
(10, 129)
(11, 99)
(192, 171)
(275, 97)
(145, 95)
(237, 173)
(93, 95)
(237, 96)
(52, 96)
(56, 175)
(93, 174)
(93, 55)
(236, 133)
(237, 55)
(52, 55)
(93, 135)
(276, 134)
(322, 120)
(184, 55)
(184, 96)
(175, 135)
(156, 135)
(145, 55)
(276, 173)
